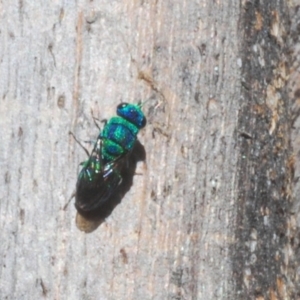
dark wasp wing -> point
(92, 194)
(96, 182)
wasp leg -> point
(96, 120)
(93, 142)
(119, 176)
(85, 150)
(67, 204)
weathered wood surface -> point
(208, 216)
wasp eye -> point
(143, 123)
(122, 105)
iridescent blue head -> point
(132, 113)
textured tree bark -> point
(293, 254)
(266, 160)
(211, 212)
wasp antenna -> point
(140, 103)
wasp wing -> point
(96, 181)
(91, 194)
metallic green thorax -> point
(120, 133)
(118, 137)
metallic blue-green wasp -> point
(100, 175)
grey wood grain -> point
(182, 230)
